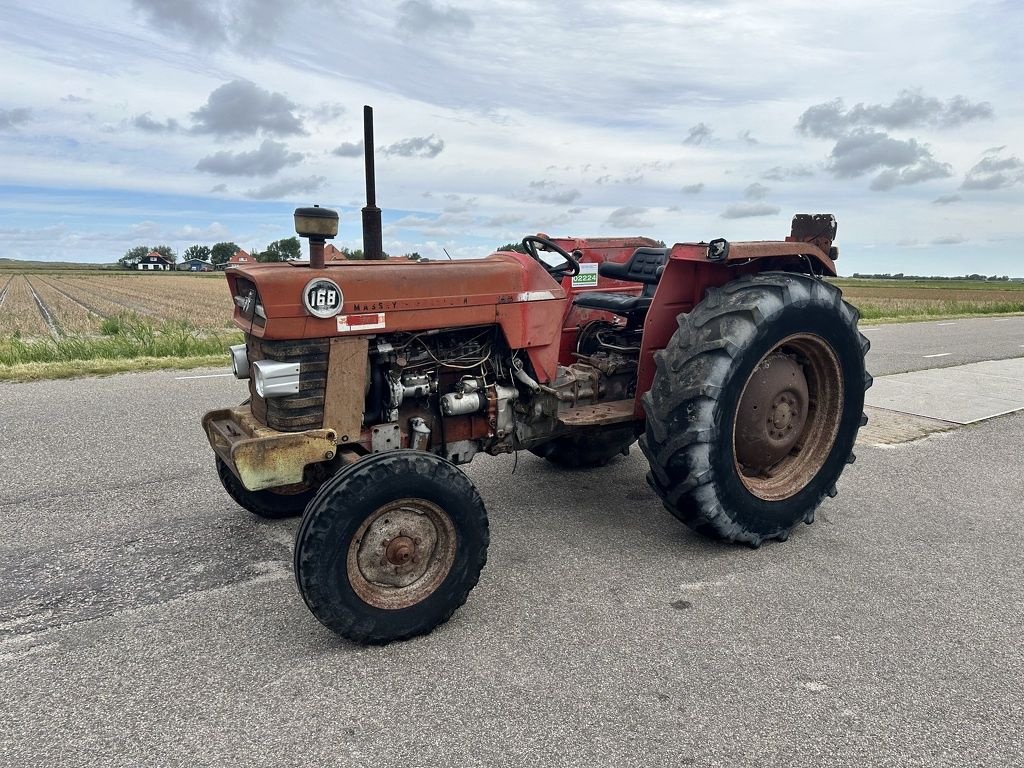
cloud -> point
(563, 197)
(746, 137)
(542, 183)
(946, 199)
(779, 173)
(910, 109)
(699, 133)
(756, 191)
(418, 17)
(926, 169)
(219, 188)
(693, 189)
(242, 108)
(417, 146)
(278, 190)
(349, 149)
(12, 118)
(746, 210)
(145, 123)
(502, 220)
(327, 111)
(197, 20)
(902, 161)
(206, 23)
(994, 172)
(628, 218)
(270, 158)
(73, 99)
(948, 240)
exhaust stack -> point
(373, 245)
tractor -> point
(737, 367)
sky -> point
(145, 122)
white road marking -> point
(940, 354)
(207, 376)
(869, 329)
(1001, 319)
(946, 323)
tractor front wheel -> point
(391, 546)
(755, 406)
(272, 505)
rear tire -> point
(391, 546)
(266, 504)
(590, 449)
(786, 344)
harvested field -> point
(20, 313)
(63, 321)
(918, 299)
(77, 304)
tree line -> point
(901, 276)
(284, 249)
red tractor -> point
(738, 367)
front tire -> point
(267, 504)
(391, 546)
(755, 406)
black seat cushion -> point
(644, 266)
(619, 303)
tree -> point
(221, 252)
(512, 247)
(167, 252)
(282, 250)
(414, 256)
(200, 252)
(132, 256)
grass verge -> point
(101, 367)
(127, 343)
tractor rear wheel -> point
(391, 546)
(272, 505)
(755, 406)
(589, 449)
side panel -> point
(345, 393)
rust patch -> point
(261, 457)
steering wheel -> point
(571, 266)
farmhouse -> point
(154, 261)
(241, 257)
(195, 265)
(333, 254)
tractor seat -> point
(644, 266)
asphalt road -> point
(146, 620)
(903, 347)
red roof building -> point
(241, 257)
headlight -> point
(239, 361)
(273, 379)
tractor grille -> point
(304, 410)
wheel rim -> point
(401, 553)
(788, 417)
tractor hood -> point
(389, 295)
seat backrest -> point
(644, 266)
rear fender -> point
(690, 272)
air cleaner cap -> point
(316, 222)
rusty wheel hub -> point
(772, 412)
(788, 417)
(401, 553)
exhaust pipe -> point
(373, 238)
